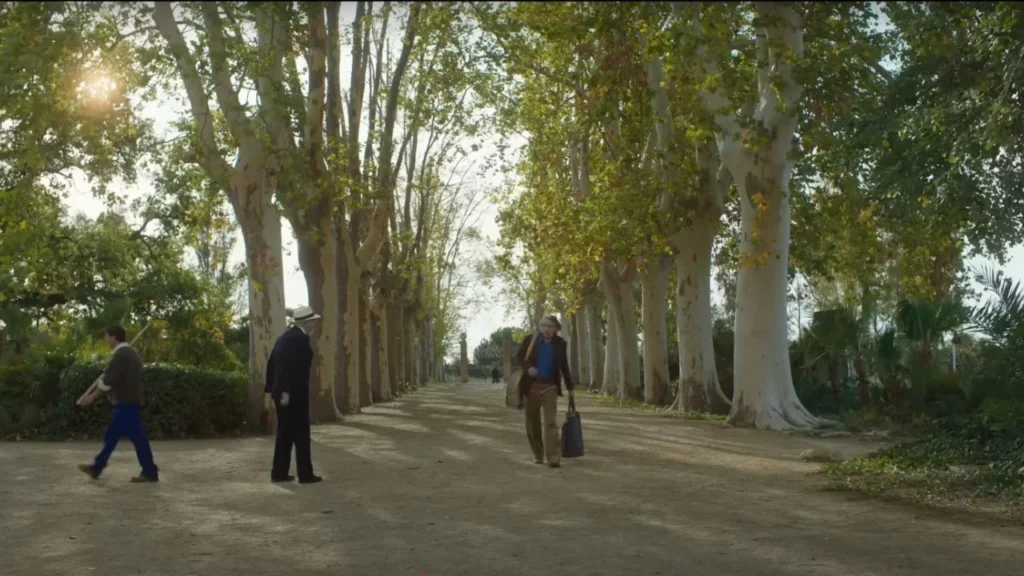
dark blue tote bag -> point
(572, 433)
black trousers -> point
(292, 429)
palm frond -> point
(920, 321)
(1001, 315)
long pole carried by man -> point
(91, 390)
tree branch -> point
(227, 96)
(355, 106)
(334, 98)
(216, 167)
(385, 180)
(314, 129)
(272, 35)
(376, 235)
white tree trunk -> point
(382, 385)
(351, 350)
(423, 354)
(319, 260)
(618, 291)
(699, 389)
(656, 377)
(409, 348)
(394, 349)
(573, 347)
(537, 314)
(428, 348)
(368, 368)
(595, 354)
(582, 349)
(566, 331)
(612, 360)
(763, 393)
(397, 363)
(249, 186)
(261, 229)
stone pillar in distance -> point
(464, 357)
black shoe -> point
(142, 479)
(311, 480)
(288, 478)
(555, 465)
(89, 470)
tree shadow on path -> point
(442, 482)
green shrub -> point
(178, 402)
(29, 385)
(991, 441)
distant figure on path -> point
(494, 375)
(288, 384)
(543, 370)
(123, 379)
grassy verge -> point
(973, 462)
(638, 406)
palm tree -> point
(889, 364)
(926, 323)
(832, 334)
(1000, 318)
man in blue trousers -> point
(123, 379)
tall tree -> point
(249, 184)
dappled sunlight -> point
(443, 416)
(402, 493)
(470, 438)
(566, 521)
(600, 499)
(450, 407)
(380, 450)
(392, 424)
(483, 534)
(339, 434)
(382, 515)
(456, 454)
(386, 410)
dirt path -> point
(443, 484)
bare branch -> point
(211, 158)
(314, 129)
(335, 130)
(227, 95)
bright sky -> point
(479, 321)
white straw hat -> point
(304, 314)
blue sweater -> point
(546, 369)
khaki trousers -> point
(543, 397)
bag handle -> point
(572, 406)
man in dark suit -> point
(288, 384)
(544, 365)
(123, 379)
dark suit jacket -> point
(561, 363)
(289, 366)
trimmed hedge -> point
(178, 402)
